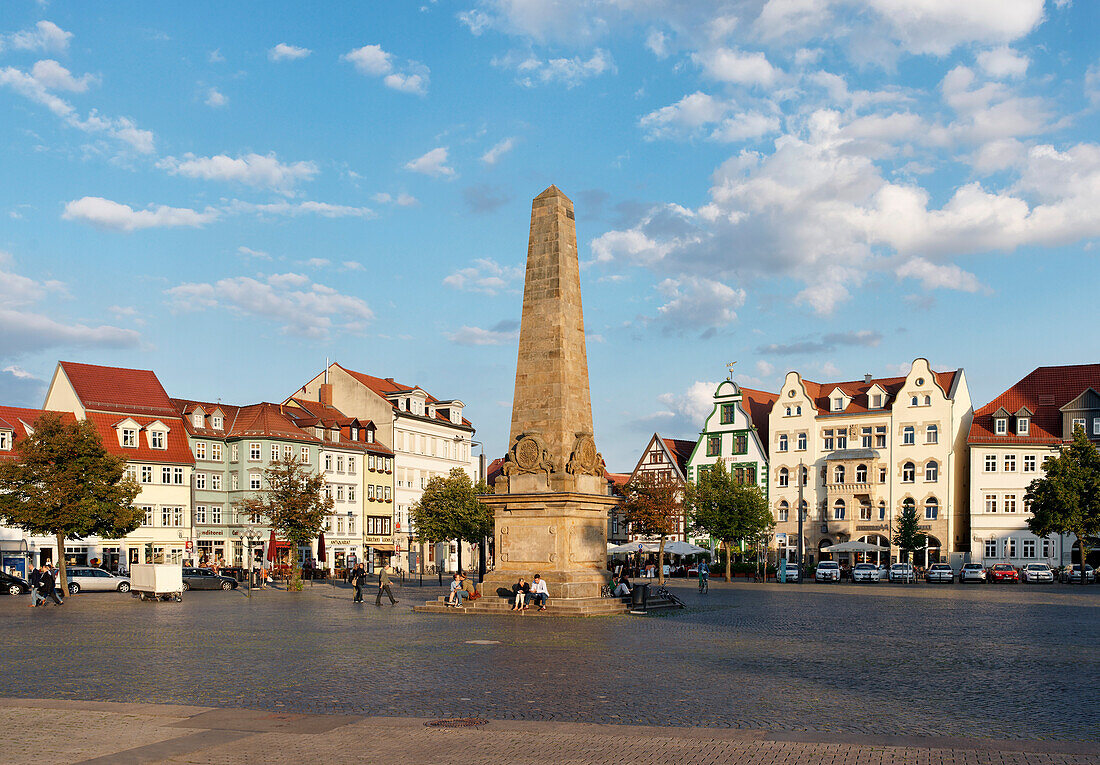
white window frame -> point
(1027, 548)
(801, 441)
(910, 469)
(305, 454)
(1083, 422)
(931, 471)
(274, 453)
(216, 514)
(932, 434)
(129, 438)
(5, 440)
(216, 451)
(146, 474)
(1023, 426)
(1009, 463)
(991, 548)
(200, 481)
(197, 420)
(216, 481)
(783, 478)
(991, 503)
(254, 451)
(931, 509)
(1009, 548)
(991, 463)
(1030, 463)
(782, 443)
(908, 435)
(1000, 426)
(1008, 503)
(255, 482)
(784, 511)
(158, 439)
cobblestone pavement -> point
(113, 734)
(995, 662)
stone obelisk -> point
(551, 502)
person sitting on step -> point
(539, 592)
(520, 590)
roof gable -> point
(1088, 399)
(117, 389)
(1045, 391)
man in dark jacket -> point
(358, 577)
(34, 580)
(48, 587)
(384, 586)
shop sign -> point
(340, 541)
(378, 540)
(874, 527)
(211, 533)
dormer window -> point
(1000, 426)
(1023, 426)
(197, 419)
(6, 440)
(156, 439)
(129, 437)
(355, 434)
(876, 401)
(370, 436)
(216, 422)
(838, 404)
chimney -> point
(324, 394)
(867, 378)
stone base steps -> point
(501, 607)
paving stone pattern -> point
(985, 661)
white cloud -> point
(503, 333)
(265, 172)
(285, 52)
(1003, 62)
(53, 76)
(299, 305)
(486, 276)
(294, 209)
(106, 214)
(935, 276)
(693, 405)
(699, 303)
(657, 42)
(938, 26)
(493, 155)
(215, 56)
(433, 162)
(215, 98)
(407, 77)
(688, 116)
(571, 72)
(251, 253)
(738, 67)
(45, 36)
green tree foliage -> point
(64, 483)
(1066, 500)
(727, 510)
(652, 507)
(450, 509)
(295, 504)
(907, 534)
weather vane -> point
(730, 367)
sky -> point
(232, 193)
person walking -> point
(35, 581)
(49, 587)
(358, 577)
(384, 586)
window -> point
(370, 436)
(1048, 548)
(166, 475)
(805, 476)
(371, 462)
(147, 517)
(340, 464)
(254, 481)
(156, 439)
(339, 493)
(882, 474)
(216, 452)
(880, 437)
(387, 488)
(216, 481)
(838, 510)
(782, 443)
(351, 465)
(1029, 463)
(146, 473)
(216, 421)
(841, 440)
(305, 455)
(328, 492)
(728, 413)
(861, 474)
(234, 481)
(215, 513)
(351, 524)
(876, 401)
(908, 435)
(370, 491)
(991, 503)
(932, 434)
(1078, 422)
(351, 494)
(1028, 548)
(802, 509)
(328, 462)
(5, 440)
(1010, 463)
(801, 442)
(838, 474)
(784, 477)
(991, 463)
(171, 516)
(931, 472)
(197, 419)
(339, 525)
(234, 453)
(253, 452)
(991, 548)
(200, 480)
(1096, 426)
(864, 511)
(377, 525)
(274, 452)
(931, 509)
(908, 472)
(200, 450)
(1010, 503)
(928, 401)
(200, 513)
(1023, 425)
(788, 412)
(129, 437)
(865, 438)
(913, 401)
(1000, 426)
(177, 476)
(881, 510)
(838, 404)
(784, 511)
(828, 440)
(740, 444)
(288, 453)
(1010, 548)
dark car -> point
(13, 585)
(206, 579)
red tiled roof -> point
(758, 405)
(857, 391)
(178, 450)
(15, 419)
(115, 389)
(315, 412)
(266, 419)
(1044, 391)
(186, 408)
(386, 386)
(680, 450)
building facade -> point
(860, 452)
(1009, 439)
(665, 458)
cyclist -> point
(704, 577)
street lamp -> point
(248, 538)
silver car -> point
(827, 571)
(903, 572)
(84, 578)
(865, 572)
(1036, 572)
(971, 572)
(940, 572)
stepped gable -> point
(386, 386)
(16, 419)
(1043, 392)
(116, 389)
(857, 391)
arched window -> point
(928, 401)
(908, 504)
(913, 401)
(931, 508)
(782, 443)
(838, 474)
(931, 471)
(865, 511)
(798, 410)
(784, 476)
(801, 442)
(805, 476)
(882, 510)
(803, 510)
(908, 472)
(908, 435)
(932, 435)
(861, 474)
(788, 411)
(784, 511)
(838, 510)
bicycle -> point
(704, 585)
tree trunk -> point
(729, 560)
(459, 566)
(63, 577)
(294, 576)
(1084, 554)
(661, 561)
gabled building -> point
(863, 451)
(1009, 439)
(735, 433)
(137, 421)
(666, 458)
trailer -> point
(156, 581)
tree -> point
(294, 503)
(727, 510)
(907, 534)
(652, 507)
(450, 509)
(64, 483)
(1066, 500)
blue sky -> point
(230, 193)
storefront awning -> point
(381, 547)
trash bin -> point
(638, 596)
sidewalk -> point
(87, 732)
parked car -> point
(827, 571)
(865, 572)
(940, 572)
(95, 580)
(206, 579)
(1002, 572)
(1072, 574)
(971, 572)
(903, 572)
(1036, 572)
(13, 585)
(791, 572)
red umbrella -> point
(321, 549)
(271, 547)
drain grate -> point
(457, 722)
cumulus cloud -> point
(699, 113)
(486, 276)
(215, 98)
(502, 333)
(698, 303)
(44, 36)
(256, 170)
(531, 70)
(52, 76)
(295, 209)
(285, 52)
(1003, 62)
(939, 276)
(493, 155)
(691, 406)
(738, 67)
(296, 303)
(248, 252)
(107, 214)
(407, 77)
(18, 387)
(433, 163)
